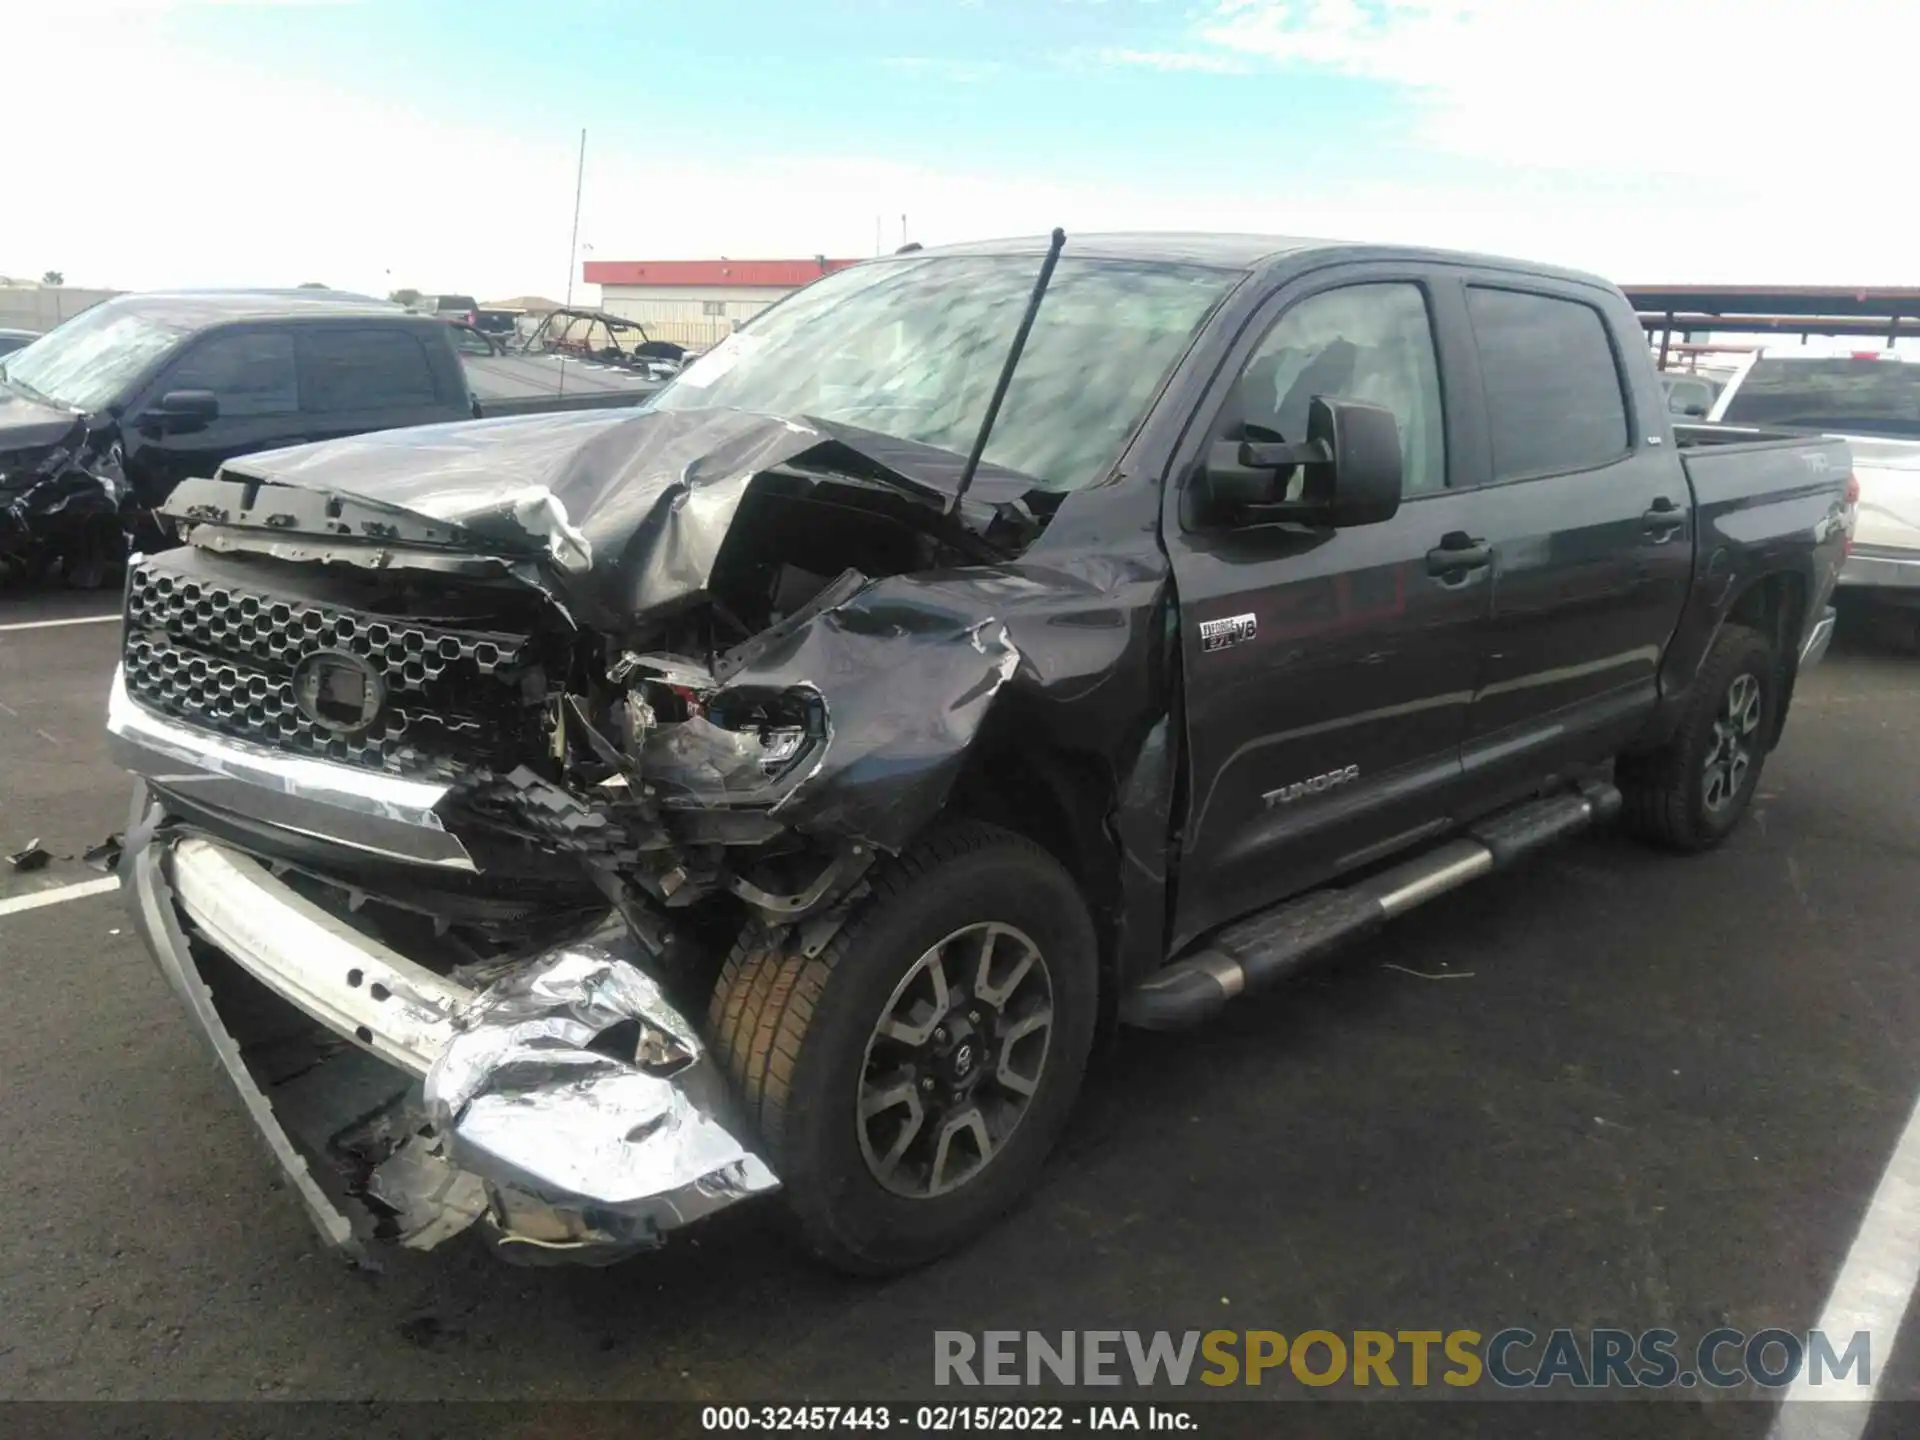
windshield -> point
(1847, 396)
(912, 348)
(89, 362)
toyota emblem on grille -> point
(338, 691)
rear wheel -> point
(908, 1082)
(1689, 794)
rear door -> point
(1591, 531)
(250, 371)
(1328, 673)
(356, 378)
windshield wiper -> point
(1054, 246)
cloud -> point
(960, 72)
(1188, 61)
(239, 175)
(1723, 88)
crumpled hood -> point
(630, 507)
(28, 427)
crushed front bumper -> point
(564, 1106)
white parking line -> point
(50, 624)
(38, 899)
(1875, 1284)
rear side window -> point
(364, 370)
(250, 372)
(1554, 402)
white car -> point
(1872, 398)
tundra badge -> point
(1219, 634)
(1313, 785)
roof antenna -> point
(1054, 247)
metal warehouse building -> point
(698, 302)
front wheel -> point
(908, 1082)
(1689, 794)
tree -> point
(315, 285)
(53, 277)
(404, 297)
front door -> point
(250, 370)
(1328, 673)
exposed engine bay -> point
(691, 752)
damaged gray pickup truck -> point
(565, 827)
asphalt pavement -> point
(1610, 1088)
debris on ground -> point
(31, 858)
(104, 856)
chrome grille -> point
(223, 658)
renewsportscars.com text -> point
(1513, 1358)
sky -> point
(432, 145)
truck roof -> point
(190, 308)
(1243, 252)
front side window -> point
(1364, 342)
(1554, 402)
(346, 369)
(250, 372)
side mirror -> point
(1349, 462)
(182, 411)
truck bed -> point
(1740, 467)
(1759, 495)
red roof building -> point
(698, 303)
(717, 274)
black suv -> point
(101, 417)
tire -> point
(798, 1040)
(1670, 797)
(97, 553)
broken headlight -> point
(775, 728)
(691, 736)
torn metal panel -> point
(906, 683)
(578, 1090)
(61, 482)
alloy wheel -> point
(1736, 733)
(954, 1060)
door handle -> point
(1457, 553)
(1663, 519)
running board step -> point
(1258, 950)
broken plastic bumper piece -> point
(565, 1105)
